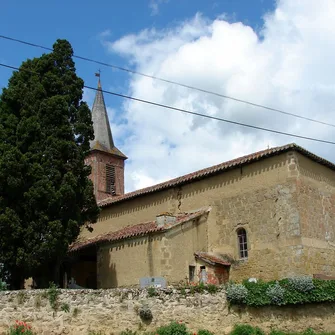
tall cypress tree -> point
(45, 194)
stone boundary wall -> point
(112, 311)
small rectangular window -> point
(110, 179)
(191, 273)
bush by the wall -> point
(246, 330)
(302, 284)
(276, 293)
(204, 332)
(174, 328)
(284, 292)
(236, 293)
(199, 288)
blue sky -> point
(43, 22)
(276, 53)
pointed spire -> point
(102, 130)
(103, 139)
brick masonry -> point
(98, 161)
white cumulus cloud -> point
(288, 66)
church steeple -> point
(103, 138)
(105, 159)
(102, 130)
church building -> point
(267, 215)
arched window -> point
(242, 243)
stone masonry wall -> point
(111, 311)
(316, 205)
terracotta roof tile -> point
(217, 169)
(137, 230)
(211, 259)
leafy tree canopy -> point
(45, 193)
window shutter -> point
(110, 179)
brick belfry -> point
(105, 159)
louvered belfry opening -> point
(110, 179)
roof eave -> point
(248, 160)
(121, 155)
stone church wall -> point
(112, 311)
(316, 202)
(285, 203)
(206, 192)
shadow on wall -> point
(107, 276)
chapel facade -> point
(268, 215)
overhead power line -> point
(190, 112)
(174, 83)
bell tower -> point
(105, 159)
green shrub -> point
(65, 307)
(276, 332)
(173, 328)
(309, 331)
(152, 291)
(3, 285)
(200, 288)
(236, 293)
(285, 292)
(276, 294)
(246, 330)
(211, 289)
(302, 284)
(53, 294)
(257, 293)
(204, 332)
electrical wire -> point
(174, 83)
(190, 112)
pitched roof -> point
(137, 230)
(211, 259)
(244, 160)
(103, 139)
(115, 151)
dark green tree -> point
(45, 194)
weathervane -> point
(97, 74)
